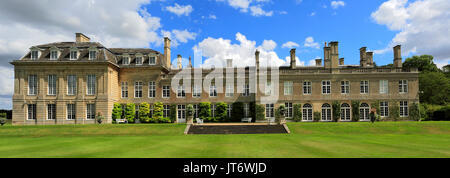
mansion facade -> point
(70, 82)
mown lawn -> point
(383, 139)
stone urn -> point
(190, 114)
(282, 118)
(99, 118)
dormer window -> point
(139, 60)
(152, 60)
(34, 54)
(125, 60)
(92, 54)
(53, 55)
(73, 55)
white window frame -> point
(229, 90)
(90, 111)
(71, 112)
(51, 85)
(213, 110)
(151, 89)
(288, 88)
(150, 60)
(246, 90)
(364, 87)
(270, 111)
(73, 55)
(196, 91)
(166, 91)
(92, 54)
(307, 114)
(141, 60)
(212, 91)
(289, 110)
(124, 87)
(31, 114)
(364, 112)
(34, 54)
(384, 86)
(181, 92)
(33, 86)
(404, 111)
(54, 55)
(125, 60)
(230, 109)
(345, 87)
(91, 84)
(72, 89)
(181, 111)
(166, 110)
(384, 109)
(268, 88)
(346, 114)
(307, 87)
(138, 92)
(326, 87)
(51, 111)
(246, 109)
(326, 113)
(403, 86)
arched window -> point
(345, 112)
(364, 112)
(326, 112)
(307, 112)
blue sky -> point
(350, 24)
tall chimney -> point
(398, 56)
(293, 61)
(318, 62)
(327, 56)
(369, 58)
(79, 38)
(167, 57)
(179, 65)
(334, 54)
(362, 56)
(190, 62)
(229, 63)
(341, 61)
(257, 59)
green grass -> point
(383, 139)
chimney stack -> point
(257, 59)
(341, 61)
(318, 62)
(362, 57)
(327, 56)
(293, 61)
(80, 38)
(398, 56)
(229, 63)
(334, 61)
(179, 65)
(167, 57)
(190, 62)
(369, 58)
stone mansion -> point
(69, 82)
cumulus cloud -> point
(217, 50)
(290, 44)
(258, 11)
(309, 42)
(180, 9)
(423, 26)
(337, 4)
(178, 36)
(255, 6)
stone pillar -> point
(293, 61)
(398, 56)
(362, 57)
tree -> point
(336, 110)
(394, 111)
(355, 110)
(414, 113)
(173, 113)
(446, 70)
(238, 112)
(204, 110)
(221, 111)
(259, 112)
(117, 111)
(130, 112)
(144, 111)
(297, 115)
(158, 111)
(434, 88)
(423, 63)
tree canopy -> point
(423, 63)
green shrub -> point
(316, 116)
(259, 110)
(117, 111)
(204, 110)
(189, 110)
(280, 112)
(414, 113)
(355, 110)
(144, 111)
(253, 111)
(442, 114)
(238, 112)
(158, 109)
(165, 120)
(130, 112)
(394, 111)
(173, 113)
(297, 115)
(336, 111)
(3, 115)
(221, 112)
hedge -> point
(117, 111)
(144, 111)
(297, 115)
(130, 112)
(221, 112)
(204, 111)
(355, 111)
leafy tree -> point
(446, 70)
(158, 111)
(355, 110)
(297, 115)
(144, 111)
(435, 88)
(414, 113)
(204, 111)
(423, 63)
(336, 110)
(117, 111)
(259, 112)
(316, 116)
(130, 112)
(221, 111)
(173, 113)
(238, 112)
(394, 111)
(253, 111)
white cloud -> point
(309, 42)
(337, 4)
(180, 9)
(423, 26)
(290, 44)
(258, 11)
(255, 6)
(217, 50)
(312, 14)
(298, 1)
(178, 36)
